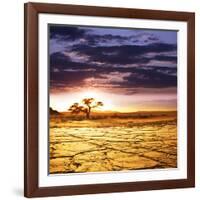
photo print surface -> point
(112, 99)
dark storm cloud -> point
(166, 58)
(134, 50)
(73, 74)
(60, 61)
(69, 78)
(114, 55)
(125, 54)
(153, 38)
(98, 39)
(66, 33)
(89, 36)
(127, 63)
(136, 79)
(62, 33)
(150, 79)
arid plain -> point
(112, 142)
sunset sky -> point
(127, 69)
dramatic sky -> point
(128, 69)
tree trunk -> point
(88, 113)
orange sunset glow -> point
(116, 102)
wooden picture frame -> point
(31, 104)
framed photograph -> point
(109, 99)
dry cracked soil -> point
(95, 147)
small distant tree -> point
(86, 107)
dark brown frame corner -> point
(31, 187)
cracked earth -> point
(94, 146)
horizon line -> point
(110, 111)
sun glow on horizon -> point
(62, 102)
(99, 96)
(113, 102)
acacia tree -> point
(86, 107)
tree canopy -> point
(85, 106)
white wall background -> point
(11, 98)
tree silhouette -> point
(87, 105)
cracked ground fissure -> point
(95, 149)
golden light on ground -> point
(110, 142)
